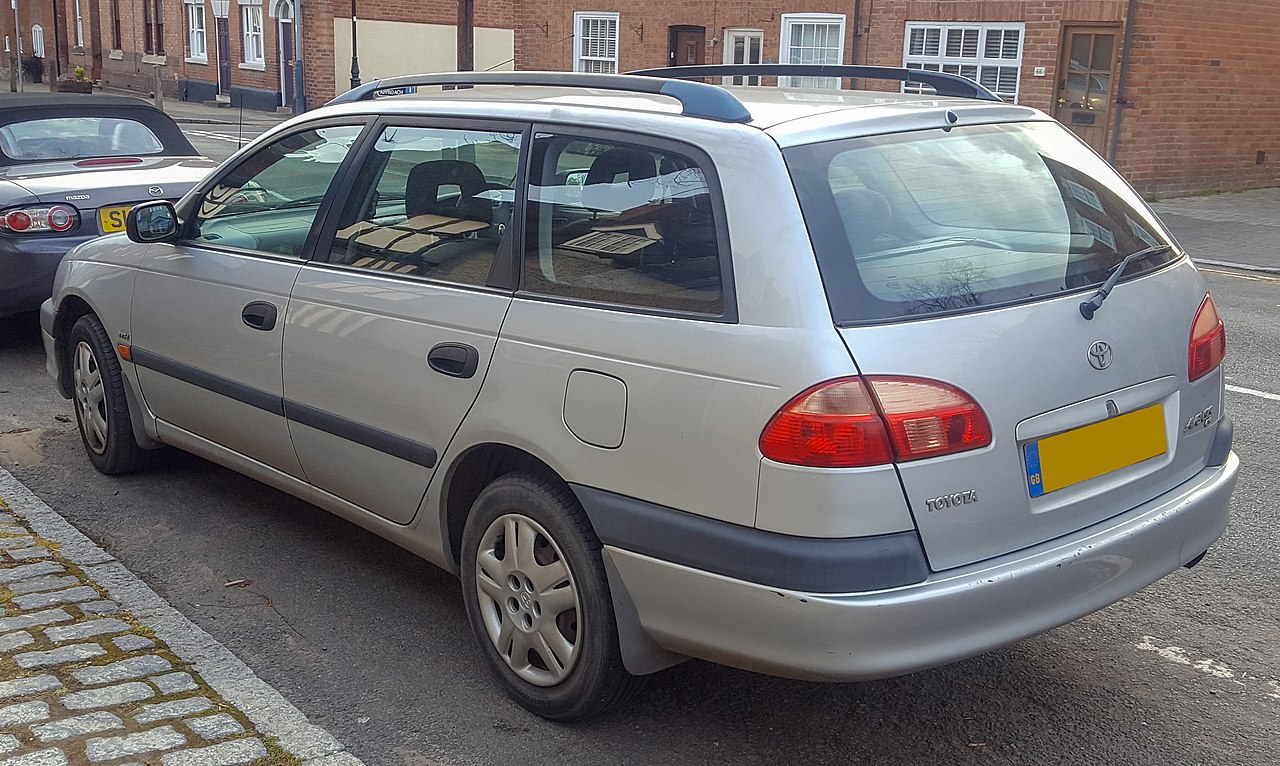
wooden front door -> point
(224, 56)
(1086, 84)
(687, 46)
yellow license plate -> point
(112, 218)
(1075, 456)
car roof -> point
(790, 115)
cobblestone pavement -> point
(95, 668)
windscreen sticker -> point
(1035, 483)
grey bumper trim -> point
(818, 565)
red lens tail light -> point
(852, 422)
(1208, 344)
(39, 219)
(928, 418)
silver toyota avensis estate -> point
(831, 385)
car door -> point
(391, 328)
(208, 312)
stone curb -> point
(269, 711)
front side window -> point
(197, 45)
(621, 224)
(812, 38)
(251, 22)
(990, 54)
(595, 46)
(933, 222)
(430, 203)
(59, 138)
(268, 202)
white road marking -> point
(234, 139)
(1254, 392)
(1210, 667)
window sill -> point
(116, 55)
(151, 58)
(254, 66)
(77, 50)
(196, 60)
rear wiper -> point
(1087, 308)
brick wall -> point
(1201, 102)
(29, 15)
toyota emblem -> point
(155, 191)
(1100, 355)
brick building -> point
(37, 39)
(1183, 111)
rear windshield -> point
(58, 138)
(935, 222)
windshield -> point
(932, 222)
(59, 138)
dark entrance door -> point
(687, 46)
(286, 62)
(224, 57)
(1085, 84)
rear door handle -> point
(259, 315)
(457, 360)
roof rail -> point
(696, 99)
(944, 84)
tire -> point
(102, 411)
(544, 622)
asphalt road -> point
(372, 643)
(220, 141)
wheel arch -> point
(481, 464)
(70, 308)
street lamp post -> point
(355, 57)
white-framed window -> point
(197, 38)
(79, 27)
(595, 42)
(37, 41)
(812, 38)
(988, 53)
(743, 46)
(251, 24)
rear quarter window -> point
(930, 222)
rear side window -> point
(59, 138)
(935, 222)
(621, 224)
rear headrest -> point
(865, 214)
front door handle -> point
(260, 315)
(457, 360)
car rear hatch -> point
(963, 256)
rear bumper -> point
(27, 268)
(944, 618)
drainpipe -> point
(299, 94)
(1122, 90)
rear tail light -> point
(852, 422)
(1208, 344)
(40, 219)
